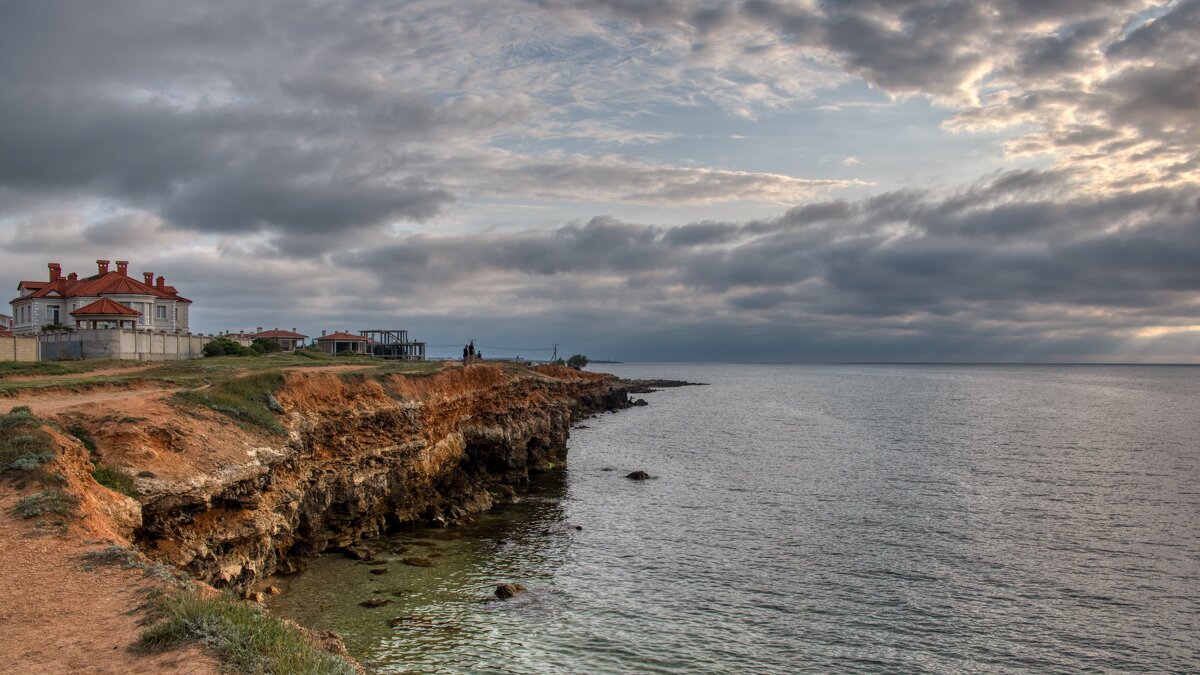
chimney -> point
(258, 330)
(55, 271)
(293, 329)
(322, 333)
(72, 277)
(123, 267)
(102, 266)
(149, 277)
(161, 282)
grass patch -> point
(114, 555)
(249, 399)
(44, 503)
(247, 639)
(24, 446)
(85, 437)
(51, 368)
(115, 479)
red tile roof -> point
(342, 337)
(279, 334)
(111, 283)
(105, 307)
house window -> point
(160, 312)
(53, 313)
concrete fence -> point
(111, 343)
(15, 348)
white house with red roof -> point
(107, 299)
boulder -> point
(358, 552)
(639, 475)
(375, 602)
(506, 591)
(417, 562)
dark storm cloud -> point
(895, 255)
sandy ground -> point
(57, 617)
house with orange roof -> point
(289, 340)
(336, 343)
(79, 302)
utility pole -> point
(554, 359)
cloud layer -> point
(298, 163)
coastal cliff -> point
(358, 455)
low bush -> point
(247, 639)
(223, 346)
(116, 480)
(44, 503)
(24, 446)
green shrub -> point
(247, 639)
(85, 437)
(223, 346)
(577, 361)
(266, 346)
(41, 503)
(116, 480)
(24, 446)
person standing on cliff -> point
(465, 362)
(471, 350)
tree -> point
(578, 361)
(265, 346)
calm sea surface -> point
(820, 518)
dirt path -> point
(49, 404)
(57, 617)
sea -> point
(818, 518)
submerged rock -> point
(418, 562)
(639, 475)
(638, 402)
(378, 571)
(375, 602)
(506, 591)
(359, 552)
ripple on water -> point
(817, 518)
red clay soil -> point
(57, 617)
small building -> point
(6, 325)
(336, 343)
(289, 340)
(105, 313)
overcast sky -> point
(767, 180)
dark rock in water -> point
(582, 426)
(418, 562)
(377, 572)
(639, 475)
(579, 527)
(372, 562)
(608, 468)
(638, 402)
(375, 602)
(358, 552)
(506, 591)
(412, 623)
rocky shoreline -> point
(360, 459)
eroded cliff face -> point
(362, 455)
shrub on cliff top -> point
(246, 399)
(43, 503)
(24, 446)
(247, 639)
(116, 480)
